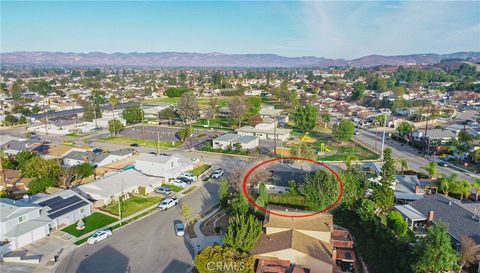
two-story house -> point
(22, 222)
(312, 243)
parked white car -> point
(217, 173)
(168, 203)
(99, 235)
(179, 229)
(178, 183)
(189, 176)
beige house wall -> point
(272, 230)
(320, 235)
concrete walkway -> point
(203, 241)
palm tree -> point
(464, 189)
(113, 101)
(349, 158)
(404, 165)
(476, 186)
(431, 168)
(448, 183)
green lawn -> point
(202, 101)
(173, 187)
(92, 222)
(146, 142)
(133, 204)
(343, 150)
(200, 169)
(220, 122)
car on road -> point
(135, 145)
(99, 235)
(179, 229)
(168, 203)
(442, 163)
(97, 151)
(217, 173)
(178, 183)
(164, 154)
(68, 143)
(189, 176)
(356, 132)
(163, 190)
(184, 179)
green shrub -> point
(40, 184)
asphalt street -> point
(414, 159)
(146, 246)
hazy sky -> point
(302, 28)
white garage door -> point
(24, 239)
(39, 233)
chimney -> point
(334, 254)
(430, 216)
(417, 189)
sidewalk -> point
(203, 241)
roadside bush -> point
(142, 190)
(396, 223)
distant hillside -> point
(215, 59)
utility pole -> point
(143, 124)
(383, 138)
(119, 205)
(426, 130)
(46, 116)
(158, 142)
(275, 135)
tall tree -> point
(397, 224)
(223, 192)
(239, 204)
(188, 107)
(434, 252)
(254, 103)
(325, 118)
(306, 117)
(243, 232)
(469, 251)
(320, 190)
(358, 90)
(213, 103)
(238, 108)
(115, 126)
(403, 165)
(384, 193)
(343, 130)
(132, 114)
(113, 101)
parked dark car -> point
(184, 179)
(135, 145)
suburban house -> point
(13, 147)
(96, 159)
(14, 183)
(268, 112)
(167, 166)
(265, 131)
(21, 223)
(282, 174)
(434, 136)
(224, 111)
(233, 140)
(63, 129)
(64, 207)
(51, 151)
(115, 184)
(109, 115)
(408, 188)
(310, 243)
(435, 208)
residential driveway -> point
(44, 249)
(146, 246)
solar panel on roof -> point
(50, 201)
(62, 203)
(67, 209)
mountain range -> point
(216, 59)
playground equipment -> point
(324, 148)
(306, 137)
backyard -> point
(133, 204)
(92, 222)
(219, 122)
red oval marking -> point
(245, 179)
